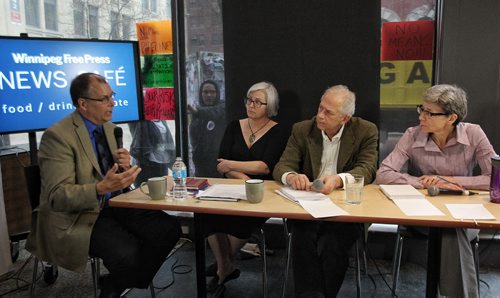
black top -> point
(267, 148)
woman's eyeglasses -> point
(421, 110)
(256, 103)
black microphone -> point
(434, 191)
(318, 185)
(119, 142)
(119, 137)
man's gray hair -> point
(349, 106)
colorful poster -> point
(159, 104)
(155, 37)
(406, 62)
(157, 69)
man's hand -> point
(330, 183)
(114, 181)
(123, 158)
(298, 181)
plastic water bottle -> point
(179, 174)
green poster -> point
(157, 71)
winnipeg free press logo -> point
(23, 58)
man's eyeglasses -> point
(256, 103)
(104, 100)
(420, 110)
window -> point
(50, 7)
(32, 11)
(93, 21)
(115, 25)
(204, 61)
(406, 65)
(145, 5)
(79, 17)
(154, 7)
(126, 27)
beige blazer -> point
(68, 207)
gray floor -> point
(179, 271)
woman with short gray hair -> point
(442, 152)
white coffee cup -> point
(157, 188)
(254, 189)
(354, 188)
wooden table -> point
(375, 208)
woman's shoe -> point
(211, 270)
(213, 285)
(218, 292)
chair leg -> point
(475, 252)
(288, 256)
(396, 262)
(152, 290)
(358, 269)
(94, 264)
(33, 279)
(365, 247)
(262, 247)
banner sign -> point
(406, 62)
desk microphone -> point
(318, 185)
(434, 191)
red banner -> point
(407, 40)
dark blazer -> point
(68, 208)
(357, 153)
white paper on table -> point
(417, 207)
(321, 208)
(231, 192)
(469, 211)
(296, 195)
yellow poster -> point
(403, 82)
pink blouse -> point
(458, 158)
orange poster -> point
(155, 37)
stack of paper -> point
(223, 192)
(296, 195)
(404, 191)
(315, 203)
(410, 200)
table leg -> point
(199, 241)
(433, 261)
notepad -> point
(296, 195)
(223, 192)
(401, 191)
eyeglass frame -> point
(420, 110)
(256, 103)
(105, 100)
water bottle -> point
(495, 180)
(179, 174)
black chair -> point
(360, 243)
(33, 183)
(405, 232)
